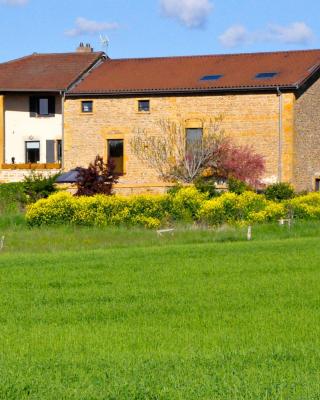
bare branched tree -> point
(176, 156)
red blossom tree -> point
(239, 162)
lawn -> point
(123, 314)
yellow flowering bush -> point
(186, 203)
(56, 209)
(152, 211)
(88, 211)
(149, 205)
(99, 210)
(272, 212)
(212, 212)
(146, 222)
(305, 207)
(234, 209)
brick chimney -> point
(84, 48)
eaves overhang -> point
(32, 90)
(121, 93)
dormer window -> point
(266, 75)
(214, 77)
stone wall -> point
(307, 138)
(17, 175)
(251, 119)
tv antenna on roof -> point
(104, 42)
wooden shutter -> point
(33, 105)
(50, 156)
(52, 105)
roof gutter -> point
(183, 91)
(32, 90)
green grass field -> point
(122, 314)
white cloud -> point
(14, 2)
(297, 33)
(84, 26)
(191, 13)
(234, 36)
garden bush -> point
(185, 204)
(56, 209)
(12, 198)
(15, 196)
(279, 191)
(234, 209)
(304, 207)
(99, 210)
(237, 186)
(207, 185)
(147, 210)
(153, 211)
(98, 178)
(38, 186)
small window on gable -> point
(87, 106)
(144, 105)
(211, 77)
(266, 75)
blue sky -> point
(146, 28)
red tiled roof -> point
(45, 72)
(183, 74)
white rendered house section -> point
(21, 128)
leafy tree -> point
(98, 178)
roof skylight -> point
(266, 75)
(211, 77)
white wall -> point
(20, 127)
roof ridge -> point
(50, 54)
(67, 52)
(16, 59)
(216, 55)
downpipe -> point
(280, 134)
(63, 95)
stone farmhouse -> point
(270, 101)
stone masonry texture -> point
(307, 138)
(249, 119)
